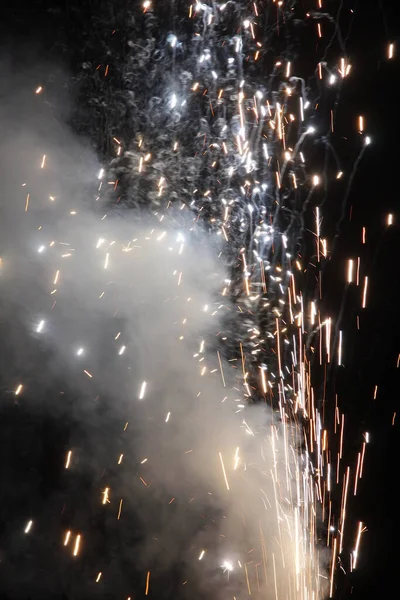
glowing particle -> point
(66, 539)
(77, 545)
(223, 471)
(142, 390)
(147, 583)
(28, 527)
(68, 460)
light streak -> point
(68, 460)
(223, 471)
(147, 583)
(77, 545)
(28, 527)
(142, 390)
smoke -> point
(110, 320)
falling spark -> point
(147, 583)
(28, 526)
(350, 271)
(223, 471)
(364, 295)
(66, 539)
(68, 461)
(142, 390)
(77, 545)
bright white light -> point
(311, 130)
(28, 526)
(40, 249)
(246, 23)
(79, 352)
(315, 180)
(173, 101)
(227, 565)
(40, 327)
(101, 173)
(332, 79)
(367, 140)
(172, 40)
(215, 76)
(142, 390)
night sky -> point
(57, 45)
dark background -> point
(33, 445)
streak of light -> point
(147, 583)
(223, 471)
(28, 527)
(77, 545)
(142, 390)
(68, 461)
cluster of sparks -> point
(262, 153)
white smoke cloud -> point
(123, 311)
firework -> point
(225, 158)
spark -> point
(77, 545)
(223, 471)
(28, 527)
(68, 461)
(142, 390)
(147, 583)
(66, 539)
